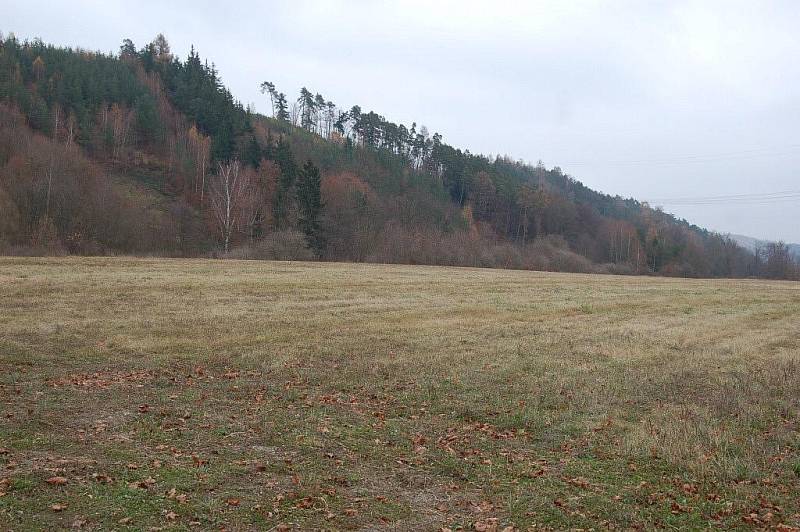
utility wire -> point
(699, 158)
(763, 198)
(734, 196)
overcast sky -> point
(654, 100)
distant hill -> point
(142, 152)
(751, 244)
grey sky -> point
(644, 99)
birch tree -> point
(228, 190)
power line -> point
(733, 196)
(763, 198)
(699, 158)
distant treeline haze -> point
(144, 153)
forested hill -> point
(143, 152)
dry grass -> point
(250, 395)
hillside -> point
(752, 244)
(144, 153)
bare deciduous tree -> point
(228, 190)
(200, 146)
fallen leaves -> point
(579, 482)
(180, 497)
(58, 507)
(676, 508)
(491, 524)
(764, 515)
(304, 503)
(57, 481)
(482, 507)
(102, 478)
(103, 380)
(142, 484)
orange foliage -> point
(343, 185)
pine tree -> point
(306, 105)
(281, 108)
(269, 87)
(128, 49)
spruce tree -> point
(309, 201)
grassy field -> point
(257, 395)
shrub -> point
(280, 245)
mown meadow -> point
(139, 393)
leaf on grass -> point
(689, 489)
(487, 525)
(58, 507)
(142, 484)
(676, 508)
(233, 502)
(306, 502)
(56, 481)
(579, 482)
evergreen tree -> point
(282, 108)
(252, 153)
(128, 49)
(288, 175)
(269, 87)
(306, 105)
(148, 124)
(309, 201)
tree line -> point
(520, 202)
(169, 149)
(170, 123)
